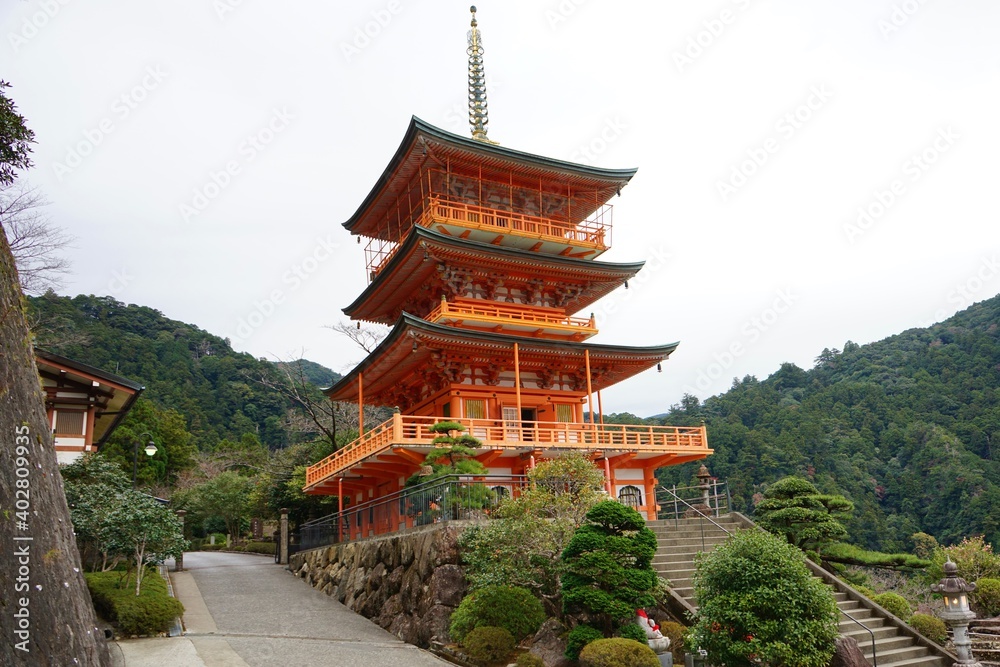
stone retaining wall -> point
(409, 583)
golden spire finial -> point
(479, 117)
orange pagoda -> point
(479, 257)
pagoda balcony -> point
(498, 317)
(412, 435)
(585, 239)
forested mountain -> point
(908, 428)
(218, 392)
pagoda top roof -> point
(411, 345)
(424, 141)
(415, 263)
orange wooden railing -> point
(494, 311)
(595, 231)
(499, 434)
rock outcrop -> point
(409, 583)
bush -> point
(632, 631)
(974, 557)
(675, 633)
(618, 652)
(987, 596)
(489, 644)
(529, 660)
(578, 638)
(608, 566)
(258, 548)
(510, 607)
(895, 604)
(866, 591)
(931, 627)
(149, 613)
(758, 601)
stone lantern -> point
(957, 614)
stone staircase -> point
(895, 642)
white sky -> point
(886, 79)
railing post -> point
(397, 427)
(676, 510)
(283, 545)
(179, 561)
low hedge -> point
(249, 547)
(149, 613)
(931, 627)
(618, 652)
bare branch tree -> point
(367, 336)
(34, 240)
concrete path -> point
(242, 610)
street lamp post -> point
(956, 612)
(150, 449)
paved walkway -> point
(242, 610)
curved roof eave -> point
(418, 126)
(424, 233)
(406, 321)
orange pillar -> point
(649, 477)
(600, 407)
(607, 478)
(361, 405)
(590, 397)
(340, 508)
(517, 380)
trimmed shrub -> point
(931, 627)
(895, 604)
(675, 633)
(608, 566)
(632, 631)
(758, 602)
(149, 613)
(489, 644)
(578, 638)
(259, 548)
(866, 591)
(987, 596)
(510, 607)
(529, 660)
(618, 652)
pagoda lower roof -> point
(423, 142)
(416, 348)
(416, 262)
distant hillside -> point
(182, 367)
(907, 427)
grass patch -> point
(149, 613)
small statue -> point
(647, 624)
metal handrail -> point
(705, 516)
(866, 629)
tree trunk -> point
(46, 616)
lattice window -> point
(630, 496)
(70, 422)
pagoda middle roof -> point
(416, 260)
(411, 346)
(423, 141)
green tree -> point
(759, 604)
(795, 510)
(453, 454)
(608, 566)
(92, 483)
(522, 545)
(226, 496)
(146, 530)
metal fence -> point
(450, 498)
(675, 502)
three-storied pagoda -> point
(479, 256)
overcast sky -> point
(809, 173)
